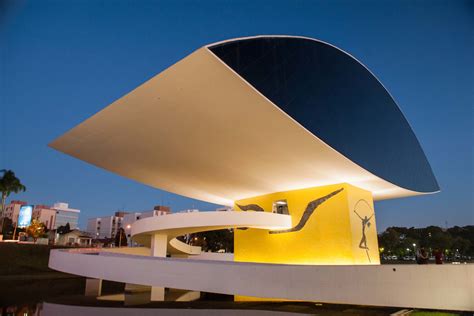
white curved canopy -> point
(199, 130)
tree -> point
(36, 229)
(64, 229)
(461, 245)
(389, 239)
(214, 240)
(9, 183)
(7, 226)
(121, 238)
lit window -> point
(280, 207)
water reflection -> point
(56, 309)
(67, 297)
(23, 310)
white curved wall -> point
(178, 224)
(418, 286)
(178, 247)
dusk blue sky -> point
(62, 61)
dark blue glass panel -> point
(338, 100)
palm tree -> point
(9, 183)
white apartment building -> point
(12, 210)
(224, 209)
(52, 216)
(191, 210)
(65, 214)
(45, 215)
(107, 226)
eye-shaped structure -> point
(251, 116)
(300, 138)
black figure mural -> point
(310, 208)
(251, 207)
(365, 222)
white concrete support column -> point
(93, 287)
(157, 294)
(159, 244)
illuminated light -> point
(25, 216)
(128, 226)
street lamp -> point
(414, 249)
(128, 234)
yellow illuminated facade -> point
(332, 225)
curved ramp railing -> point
(174, 225)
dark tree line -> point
(215, 240)
(454, 242)
(64, 229)
(121, 238)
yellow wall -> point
(331, 235)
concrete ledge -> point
(448, 287)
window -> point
(280, 207)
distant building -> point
(52, 216)
(224, 209)
(191, 210)
(74, 238)
(130, 218)
(65, 215)
(12, 210)
(162, 210)
(46, 215)
(107, 226)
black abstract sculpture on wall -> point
(365, 222)
(251, 207)
(310, 208)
